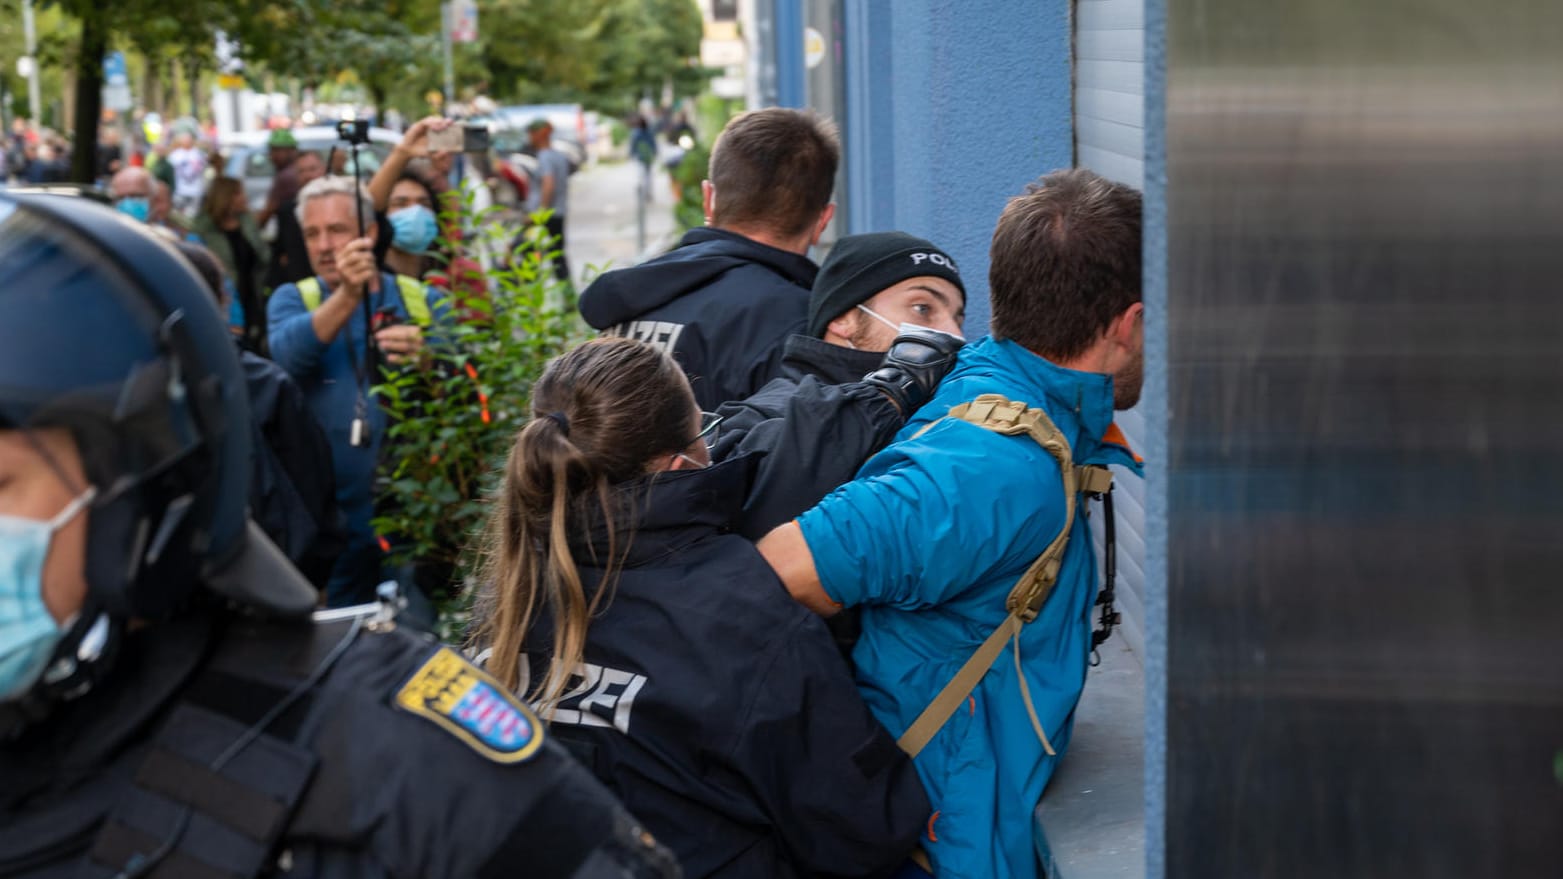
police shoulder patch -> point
(473, 707)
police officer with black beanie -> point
(884, 320)
(167, 705)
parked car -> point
(247, 158)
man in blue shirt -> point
(936, 529)
(319, 331)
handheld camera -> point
(460, 139)
(354, 131)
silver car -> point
(248, 159)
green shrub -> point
(454, 417)
(691, 170)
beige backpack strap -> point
(1001, 415)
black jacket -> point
(816, 424)
(289, 255)
(292, 486)
(348, 782)
(718, 710)
(720, 303)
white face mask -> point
(28, 632)
(901, 330)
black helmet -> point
(106, 331)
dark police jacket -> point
(292, 485)
(720, 303)
(817, 424)
(718, 710)
(399, 762)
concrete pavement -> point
(601, 232)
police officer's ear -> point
(841, 329)
(824, 220)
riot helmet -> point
(106, 332)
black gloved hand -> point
(917, 361)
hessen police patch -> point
(473, 707)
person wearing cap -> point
(725, 299)
(282, 148)
(826, 413)
(868, 288)
(289, 254)
(167, 704)
(550, 188)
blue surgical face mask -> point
(134, 207)
(28, 632)
(413, 229)
(902, 328)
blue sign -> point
(114, 72)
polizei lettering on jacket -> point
(659, 333)
(599, 696)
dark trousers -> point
(555, 227)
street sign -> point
(464, 21)
(114, 72)
(117, 98)
(231, 82)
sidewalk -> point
(601, 230)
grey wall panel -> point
(1365, 492)
(1110, 14)
(1109, 102)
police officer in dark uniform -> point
(167, 706)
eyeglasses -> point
(710, 424)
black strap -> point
(119, 844)
(1110, 616)
(258, 815)
(216, 790)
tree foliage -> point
(606, 53)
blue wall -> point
(1153, 406)
(953, 107)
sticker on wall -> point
(813, 47)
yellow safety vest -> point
(414, 297)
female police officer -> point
(663, 649)
(166, 706)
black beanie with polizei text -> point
(859, 266)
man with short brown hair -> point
(724, 301)
(938, 528)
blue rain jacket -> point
(929, 540)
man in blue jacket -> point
(937, 528)
(725, 300)
(320, 331)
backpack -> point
(1001, 415)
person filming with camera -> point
(332, 332)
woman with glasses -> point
(661, 648)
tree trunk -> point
(193, 79)
(377, 97)
(89, 98)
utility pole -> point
(34, 102)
